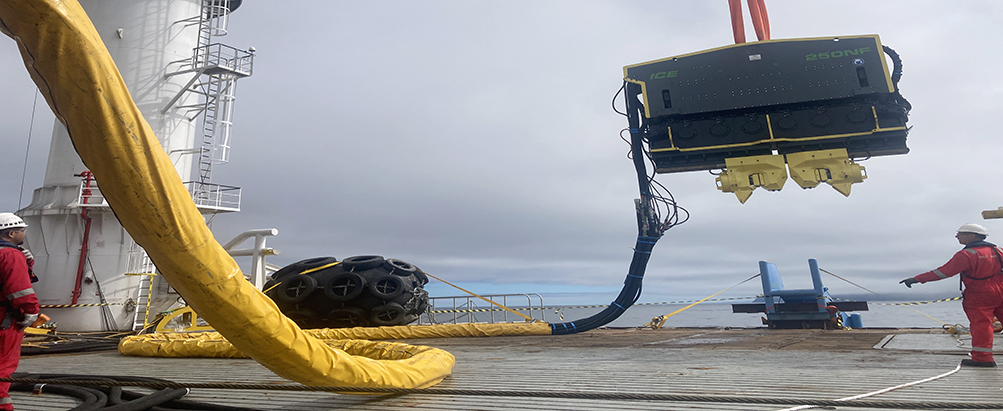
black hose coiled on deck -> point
(114, 398)
(67, 347)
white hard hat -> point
(9, 220)
(973, 228)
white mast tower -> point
(183, 82)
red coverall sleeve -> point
(961, 262)
(16, 284)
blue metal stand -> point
(801, 308)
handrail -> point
(464, 308)
(214, 197)
(89, 194)
(258, 253)
(224, 58)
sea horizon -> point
(880, 314)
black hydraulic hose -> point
(148, 401)
(71, 347)
(178, 404)
(114, 398)
(92, 399)
(896, 65)
(648, 229)
(896, 76)
(114, 394)
(634, 116)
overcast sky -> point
(476, 140)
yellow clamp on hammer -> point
(745, 174)
(809, 168)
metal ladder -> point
(215, 69)
(217, 88)
(217, 120)
(145, 291)
(141, 265)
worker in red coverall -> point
(18, 303)
(979, 264)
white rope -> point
(857, 397)
(27, 149)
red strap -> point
(737, 26)
(760, 21)
(757, 8)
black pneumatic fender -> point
(387, 314)
(347, 317)
(344, 286)
(362, 262)
(399, 267)
(422, 277)
(303, 265)
(387, 287)
(360, 291)
(305, 317)
(296, 289)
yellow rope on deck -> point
(662, 318)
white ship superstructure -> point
(183, 82)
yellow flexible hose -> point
(214, 345)
(70, 65)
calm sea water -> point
(720, 315)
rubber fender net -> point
(68, 62)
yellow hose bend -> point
(353, 340)
(70, 65)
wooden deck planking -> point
(522, 365)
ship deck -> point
(614, 369)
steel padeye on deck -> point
(814, 104)
(800, 308)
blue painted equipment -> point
(801, 308)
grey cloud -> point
(476, 140)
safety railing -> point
(88, 193)
(139, 261)
(470, 309)
(221, 58)
(211, 197)
(208, 197)
(215, 18)
(259, 268)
